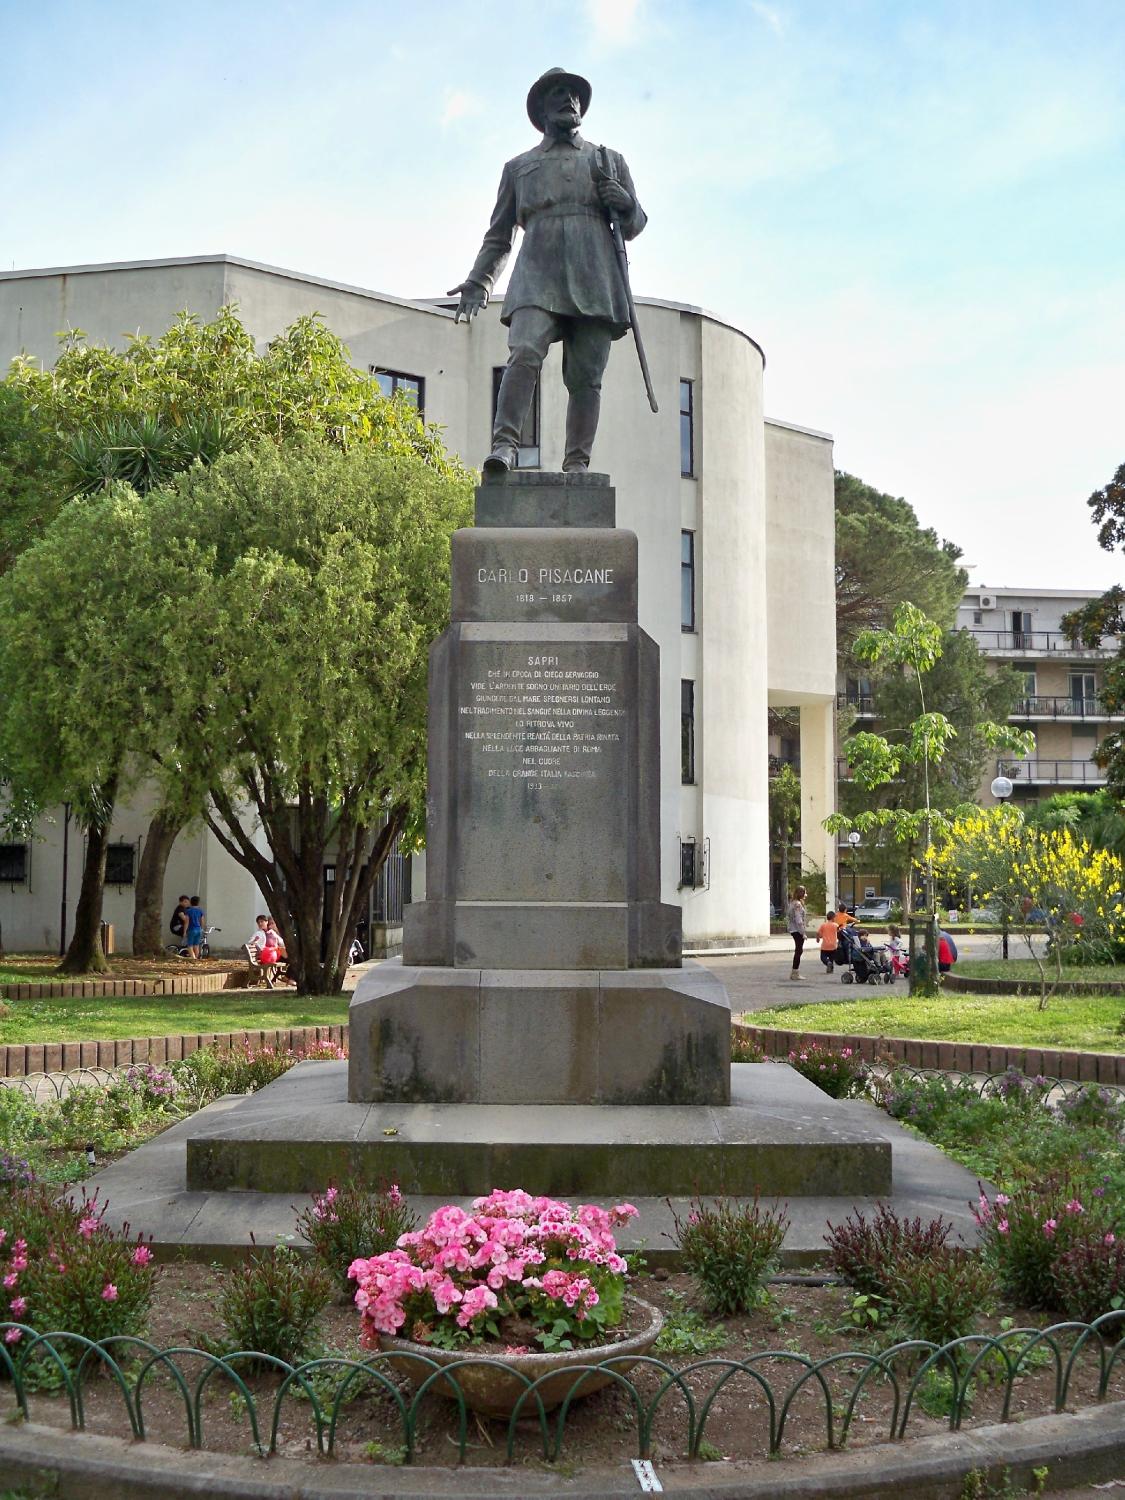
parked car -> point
(875, 909)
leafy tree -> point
(903, 766)
(785, 821)
(1036, 874)
(1100, 618)
(882, 557)
(274, 659)
(156, 407)
(31, 481)
(1097, 817)
(64, 698)
(971, 694)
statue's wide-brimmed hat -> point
(549, 79)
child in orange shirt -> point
(829, 934)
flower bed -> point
(798, 1338)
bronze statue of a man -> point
(567, 283)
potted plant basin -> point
(492, 1391)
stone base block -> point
(542, 934)
(484, 1036)
(300, 1133)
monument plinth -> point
(543, 966)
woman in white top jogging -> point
(795, 917)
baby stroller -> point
(873, 966)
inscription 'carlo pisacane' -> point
(545, 575)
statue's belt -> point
(565, 211)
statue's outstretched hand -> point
(613, 196)
(473, 297)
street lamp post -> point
(1001, 789)
(854, 841)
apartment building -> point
(1061, 702)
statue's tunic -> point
(567, 264)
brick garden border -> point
(958, 1057)
(969, 985)
(92, 989)
(18, 1060)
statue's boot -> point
(582, 411)
(512, 402)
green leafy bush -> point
(208, 1073)
(940, 1296)
(743, 1049)
(271, 1303)
(62, 1267)
(841, 1073)
(344, 1224)
(730, 1249)
(687, 1332)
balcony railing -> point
(1039, 772)
(862, 703)
(1036, 706)
(1038, 642)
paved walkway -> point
(758, 981)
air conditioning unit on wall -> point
(988, 601)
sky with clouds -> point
(917, 207)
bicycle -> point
(179, 950)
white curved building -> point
(734, 515)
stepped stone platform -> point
(149, 1188)
(301, 1131)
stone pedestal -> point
(547, 1036)
(543, 965)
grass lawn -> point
(156, 1015)
(1082, 1022)
(39, 968)
(1027, 968)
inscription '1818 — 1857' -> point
(541, 720)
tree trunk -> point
(148, 904)
(84, 954)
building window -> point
(1083, 692)
(688, 850)
(413, 387)
(120, 864)
(13, 864)
(687, 429)
(978, 616)
(687, 580)
(527, 454)
(1021, 629)
(687, 732)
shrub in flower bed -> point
(1090, 1277)
(209, 1072)
(866, 1253)
(933, 1290)
(517, 1270)
(840, 1073)
(1017, 1130)
(345, 1223)
(1048, 1245)
(730, 1249)
(62, 1267)
(1094, 1107)
(271, 1303)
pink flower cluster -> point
(512, 1250)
